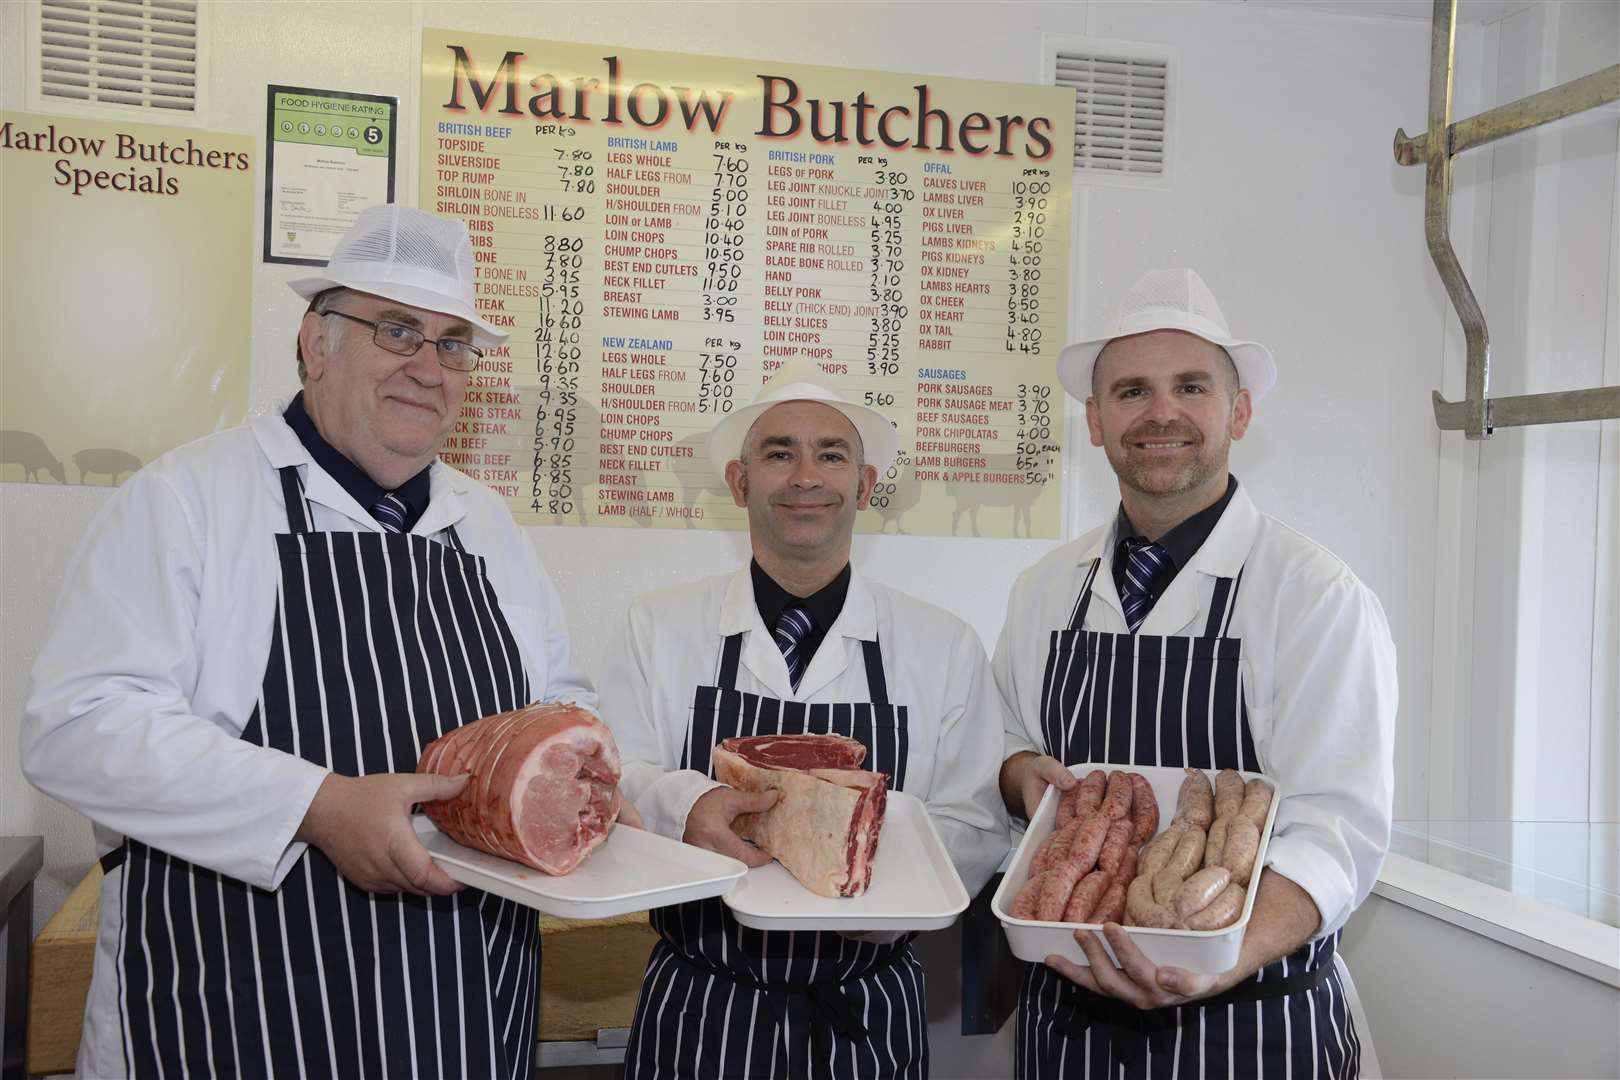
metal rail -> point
(1478, 415)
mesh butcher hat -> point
(1170, 300)
(409, 255)
(801, 380)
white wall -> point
(1526, 708)
(1445, 1002)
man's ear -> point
(863, 493)
(1094, 422)
(312, 343)
(1242, 413)
(737, 481)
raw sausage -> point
(1068, 804)
(1127, 867)
(1156, 853)
(1197, 892)
(1256, 802)
(1083, 901)
(1221, 911)
(1052, 851)
(1242, 844)
(1114, 846)
(1111, 908)
(1142, 910)
(1228, 793)
(1091, 789)
(1196, 800)
(1166, 884)
(1116, 805)
(1215, 843)
(1060, 882)
(1144, 809)
(1088, 842)
(1189, 853)
(1023, 905)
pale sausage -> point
(1196, 800)
(1142, 910)
(1198, 891)
(1256, 802)
(1242, 844)
(1228, 793)
(1221, 911)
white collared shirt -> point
(933, 664)
(158, 646)
(1318, 675)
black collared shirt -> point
(414, 493)
(823, 606)
(1182, 542)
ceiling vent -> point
(126, 54)
(1123, 107)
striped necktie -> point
(1145, 560)
(790, 630)
(390, 511)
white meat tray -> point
(914, 885)
(632, 870)
(1208, 952)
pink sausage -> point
(1144, 809)
(1114, 846)
(1083, 901)
(1091, 789)
(1088, 842)
(1060, 882)
(1023, 905)
(1116, 804)
(1111, 908)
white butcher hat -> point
(801, 380)
(405, 254)
(1170, 300)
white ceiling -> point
(1468, 11)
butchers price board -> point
(633, 870)
(914, 885)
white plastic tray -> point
(631, 871)
(1208, 952)
(914, 885)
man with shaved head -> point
(796, 642)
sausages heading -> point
(786, 109)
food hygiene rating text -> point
(786, 113)
(125, 148)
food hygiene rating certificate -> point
(331, 156)
(660, 232)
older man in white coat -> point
(1195, 630)
(796, 641)
(261, 632)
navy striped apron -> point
(720, 1000)
(381, 643)
(1140, 699)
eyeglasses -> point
(406, 340)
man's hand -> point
(1026, 776)
(363, 825)
(1138, 981)
(708, 824)
(1283, 919)
(629, 815)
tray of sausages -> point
(1171, 854)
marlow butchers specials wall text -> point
(659, 232)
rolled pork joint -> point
(544, 789)
(825, 825)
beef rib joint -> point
(544, 788)
(824, 827)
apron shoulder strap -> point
(292, 493)
(730, 657)
(1222, 603)
(876, 685)
(1077, 617)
